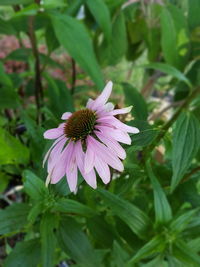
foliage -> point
(54, 55)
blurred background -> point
(54, 55)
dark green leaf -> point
(193, 13)
(163, 211)
(135, 99)
(26, 253)
(101, 14)
(135, 218)
(6, 27)
(72, 206)
(13, 218)
(155, 245)
(14, 2)
(48, 240)
(75, 243)
(185, 254)
(186, 142)
(119, 255)
(75, 39)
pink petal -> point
(112, 144)
(48, 152)
(53, 133)
(72, 172)
(90, 177)
(116, 134)
(105, 154)
(89, 103)
(55, 154)
(66, 115)
(120, 111)
(89, 157)
(110, 120)
(62, 162)
(103, 170)
(102, 99)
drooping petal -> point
(60, 167)
(102, 169)
(55, 154)
(105, 154)
(103, 97)
(53, 133)
(120, 111)
(48, 152)
(71, 171)
(90, 177)
(112, 144)
(66, 115)
(89, 157)
(116, 134)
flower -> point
(88, 141)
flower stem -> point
(167, 125)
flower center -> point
(80, 124)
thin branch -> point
(38, 80)
(166, 126)
(189, 174)
(73, 76)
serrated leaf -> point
(163, 212)
(26, 253)
(13, 218)
(73, 36)
(72, 206)
(101, 14)
(34, 186)
(48, 240)
(186, 143)
(135, 218)
(135, 99)
(75, 243)
(170, 70)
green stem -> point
(167, 125)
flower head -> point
(88, 141)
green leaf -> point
(135, 218)
(48, 240)
(26, 253)
(34, 186)
(6, 27)
(135, 99)
(175, 38)
(119, 255)
(75, 243)
(12, 151)
(101, 14)
(185, 254)
(155, 245)
(5, 79)
(170, 70)
(14, 2)
(181, 222)
(72, 206)
(13, 218)
(193, 13)
(75, 39)
(59, 96)
(163, 212)
(186, 143)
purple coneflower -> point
(88, 141)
